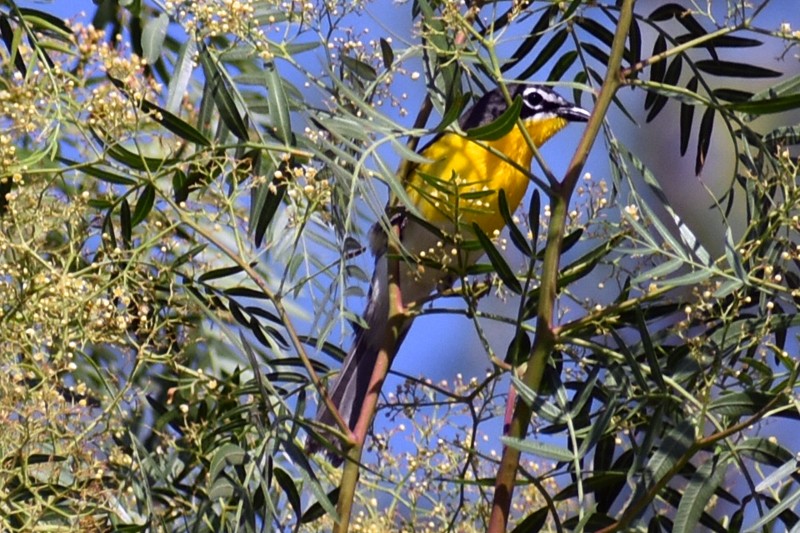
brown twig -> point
(545, 333)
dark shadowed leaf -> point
(317, 511)
(733, 69)
(125, 223)
(562, 65)
(144, 204)
(175, 124)
(533, 522)
(12, 38)
(504, 271)
(595, 52)
(222, 96)
(517, 238)
(547, 53)
(597, 30)
(666, 12)
(541, 26)
(687, 117)
(657, 70)
(704, 139)
(359, 68)
(387, 54)
(671, 77)
(292, 494)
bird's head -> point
(544, 112)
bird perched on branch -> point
(457, 187)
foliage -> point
(186, 189)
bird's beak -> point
(575, 114)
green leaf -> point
(738, 404)
(153, 35)
(222, 96)
(674, 444)
(504, 271)
(144, 204)
(768, 106)
(175, 124)
(359, 68)
(278, 105)
(547, 53)
(699, 493)
(657, 70)
(99, 173)
(181, 76)
(516, 235)
(287, 484)
(735, 70)
(46, 21)
(704, 139)
(532, 39)
(534, 522)
(226, 455)
(540, 449)
(125, 223)
(500, 126)
(387, 54)
(687, 117)
(562, 65)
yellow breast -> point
(463, 179)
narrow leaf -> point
(699, 493)
(500, 126)
(386, 53)
(704, 139)
(144, 204)
(153, 35)
(532, 39)
(516, 235)
(504, 272)
(657, 70)
(540, 449)
(125, 223)
(733, 69)
(181, 76)
(222, 95)
(175, 124)
(562, 65)
(687, 117)
(278, 105)
(547, 53)
(359, 68)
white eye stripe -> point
(547, 96)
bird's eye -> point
(533, 98)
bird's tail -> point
(352, 385)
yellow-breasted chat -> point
(457, 186)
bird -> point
(457, 186)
